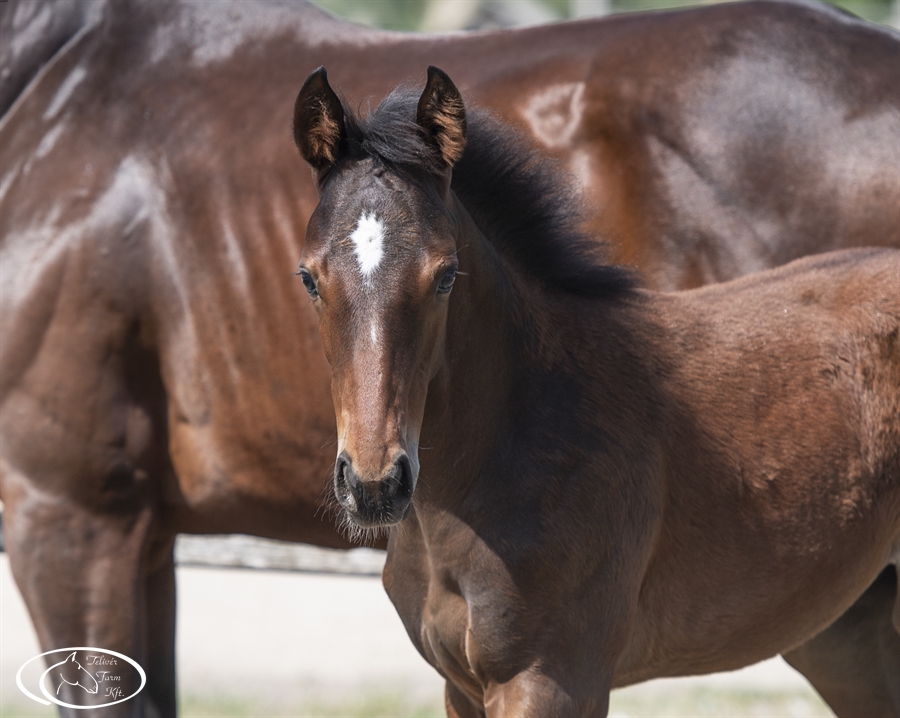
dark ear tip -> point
(436, 72)
(317, 78)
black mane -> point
(522, 201)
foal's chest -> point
(457, 618)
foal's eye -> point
(308, 282)
(447, 281)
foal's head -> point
(380, 263)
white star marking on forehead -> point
(368, 241)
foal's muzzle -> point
(372, 503)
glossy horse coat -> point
(619, 484)
(160, 370)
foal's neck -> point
(503, 342)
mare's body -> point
(159, 368)
(715, 141)
(619, 484)
(32, 34)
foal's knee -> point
(532, 694)
(459, 705)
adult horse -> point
(619, 484)
(159, 368)
(31, 34)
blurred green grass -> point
(717, 703)
(369, 706)
(628, 703)
(409, 14)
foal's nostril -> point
(405, 484)
(346, 482)
(380, 501)
(340, 468)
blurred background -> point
(451, 15)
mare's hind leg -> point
(855, 663)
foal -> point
(613, 484)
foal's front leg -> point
(532, 694)
(459, 705)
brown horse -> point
(618, 484)
(159, 369)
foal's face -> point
(379, 264)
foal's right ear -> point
(442, 114)
(318, 121)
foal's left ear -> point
(442, 115)
(318, 121)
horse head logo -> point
(72, 672)
(122, 678)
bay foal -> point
(587, 485)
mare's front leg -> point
(83, 457)
(85, 577)
(160, 612)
